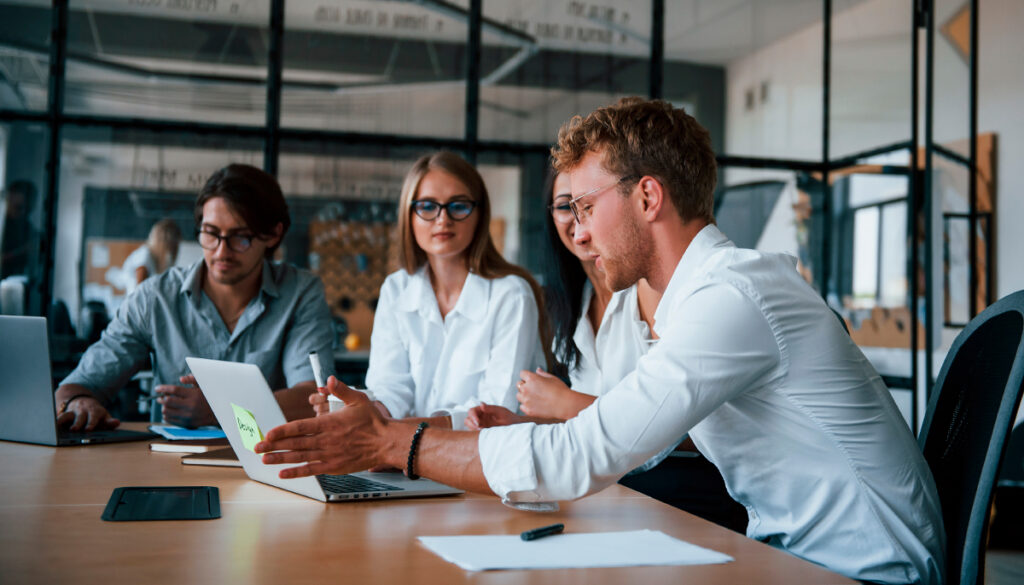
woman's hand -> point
(490, 415)
(544, 395)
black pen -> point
(542, 532)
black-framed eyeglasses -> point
(582, 212)
(561, 212)
(237, 242)
(457, 210)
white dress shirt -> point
(772, 391)
(622, 338)
(423, 365)
(611, 354)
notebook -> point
(218, 458)
(27, 408)
(194, 446)
(241, 398)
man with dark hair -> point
(234, 304)
(18, 235)
(750, 362)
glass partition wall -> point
(845, 131)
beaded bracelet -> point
(412, 450)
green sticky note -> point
(247, 427)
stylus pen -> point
(542, 532)
(318, 372)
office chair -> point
(965, 429)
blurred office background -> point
(115, 112)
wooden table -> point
(51, 531)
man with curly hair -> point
(750, 362)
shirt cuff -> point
(506, 456)
(395, 408)
(458, 418)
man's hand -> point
(491, 415)
(353, 439)
(85, 413)
(184, 405)
(544, 395)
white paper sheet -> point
(566, 551)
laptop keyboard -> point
(350, 484)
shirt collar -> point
(418, 295)
(413, 296)
(616, 301)
(192, 283)
(472, 302)
(269, 285)
(703, 245)
(584, 335)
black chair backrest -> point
(966, 427)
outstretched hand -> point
(339, 442)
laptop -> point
(27, 406)
(240, 396)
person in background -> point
(158, 254)
(18, 234)
(750, 361)
(234, 304)
(599, 336)
(456, 324)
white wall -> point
(1001, 93)
(870, 101)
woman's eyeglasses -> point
(561, 212)
(457, 210)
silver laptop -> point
(232, 388)
(26, 390)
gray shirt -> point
(170, 317)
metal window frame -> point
(272, 133)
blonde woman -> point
(457, 323)
(158, 254)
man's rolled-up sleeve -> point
(679, 382)
(121, 351)
(311, 330)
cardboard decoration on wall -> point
(104, 256)
(352, 260)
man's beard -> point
(630, 254)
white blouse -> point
(423, 365)
(142, 257)
(622, 339)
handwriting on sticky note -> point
(247, 427)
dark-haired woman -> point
(599, 335)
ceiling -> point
(373, 66)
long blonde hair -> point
(163, 241)
(482, 258)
